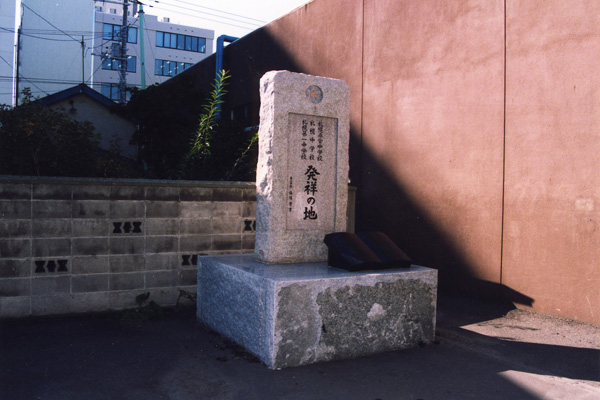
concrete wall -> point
(474, 132)
(433, 131)
(88, 245)
(552, 185)
(69, 246)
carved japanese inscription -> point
(312, 168)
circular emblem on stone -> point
(314, 94)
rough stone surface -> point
(296, 314)
(351, 314)
(230, 294)
(304, 126)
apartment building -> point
(50, 46)
(167, 49)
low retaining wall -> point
(89, 245)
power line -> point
(214, 15)
(26, 32)
(94, 73)
(53, 32)
(50, 23)
(221, 11)
(148, 76)
(75, 58)
(36, 86)
(203, 18)
(42, 38)
(50, 81)
(7, 63)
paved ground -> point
(483, 351)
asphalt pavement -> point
(483, 350)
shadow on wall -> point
(383, 204)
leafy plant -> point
(114, 165)
(167, 116)
(243, 157)
(212, 155)
(181, 138)
(40, 141)
(37, 140)
(208, 119)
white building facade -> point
(51, 52)
(168, 49)
(7, 50)
(49, 46)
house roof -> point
(79, 89)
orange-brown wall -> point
(474, 132)
(433, 131)
(552, 186)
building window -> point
(115, 65)
(169, 68)
(111, 90)
(181, 42)
(113, 32)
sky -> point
(226, 17)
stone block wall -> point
(81, 245)
(71, 246)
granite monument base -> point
(295, 314)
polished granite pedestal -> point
(295, 314)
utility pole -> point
(16, 93)
(142, 54)
(82, 61)
(123, 56)
(118, 50)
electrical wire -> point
(40, 90)
(221, 11)
(94, 73)
(75, 58)
(203, 18)
(34, 33)
(90, 35)
(137, 55)
(151, 47)
(50, 81)
(49, 23)
(7, 63)
(54, 32)
(213, 15)
(101, 35)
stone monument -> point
(302, 172)
(284, 303)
